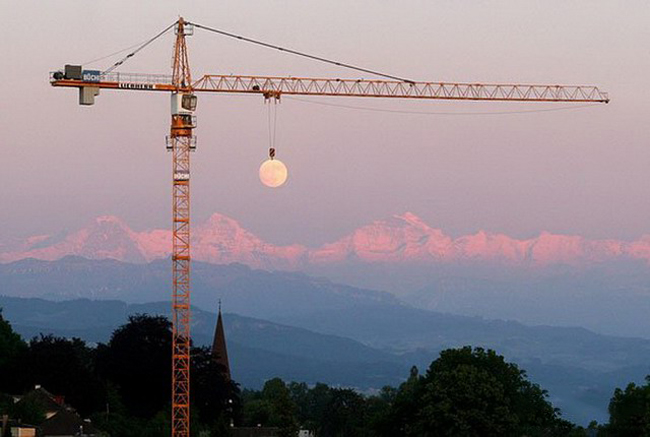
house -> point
(16, 429)
(67, 423)
(61, 420)
(50, 403)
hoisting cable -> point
(272, 127)
(130, 55)
(297, 53)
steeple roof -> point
(219, 350)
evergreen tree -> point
(12, 347)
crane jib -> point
(344, 87)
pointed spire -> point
(219, 350)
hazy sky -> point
(582, 171)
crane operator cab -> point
(183, 103)
(183, 106)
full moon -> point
(273, 173)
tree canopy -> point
(11, 346)
(137, 359)
(124, 386)
(469, 392)
(629, 411)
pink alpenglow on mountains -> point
(401, 239)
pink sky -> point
(582, 171)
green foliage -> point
(313, 406)
(629, 411)
(272, 407)
(28, 412)
(11, 347)
(65, 367)
(125, 387)
(117, 422)
(345, 414)
(465, 392)
(216, 400)
(137, 360)
(469, 392)
(282, 409)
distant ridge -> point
(578, 367)
(401, 239)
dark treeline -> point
(124, 388)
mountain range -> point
(295, 296)
(399, 240)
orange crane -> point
(181, 142)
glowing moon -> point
(273, 173)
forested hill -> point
(579, 368)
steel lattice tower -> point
(181, 142)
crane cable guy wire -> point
(130, 55)
(319, 59)
(114, 53)
(297, 53)
(252, 41)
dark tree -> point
(215, 397)
(404, 406)
(137, 360)
(26, 411)
(379, 411)
(345, 415)
(311, 404)
(468, 392)
(629, 411)
(10, 343)
(272, 407)
(11, 348)
(283, 410)
(64, 367)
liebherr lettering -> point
(137, 86)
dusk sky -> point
(577, 171)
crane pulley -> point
(181, 142)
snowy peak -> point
(104, 237)
(222, 240)
(399, 239)
(486, 246)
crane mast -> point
(181, 142)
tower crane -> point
(181, 142)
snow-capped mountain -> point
(401, 239)
(408, 239)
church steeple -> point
(219, 350)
